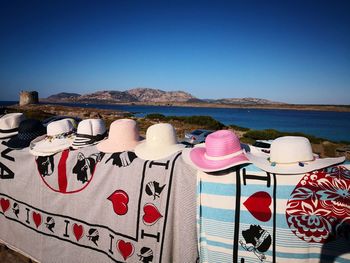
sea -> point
(330, 125)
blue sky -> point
(290, 51)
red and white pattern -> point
(319, 204)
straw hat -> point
(90, 132)
(160, 142)
(222, 150)
(291, 155)
(60, 136)
(123, 136)
(28, 130)
(9, 124)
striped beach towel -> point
(248, 215)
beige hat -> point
(291, 155)
(123, 136)
(9, 124)
(160, 142)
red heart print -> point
(258, 205)
(37, 219)
(126, 249)
(5, 204)
(78, 231)
(120, 201)
(151, 214)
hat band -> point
(8, 131)
(224, 157)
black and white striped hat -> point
(89, 132)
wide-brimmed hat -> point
(28, 130)
(9, 124)
(90, 132)
(60, 136)
(123, 136)
(161, 142)
(221, 150)
(291, 155)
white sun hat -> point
(160, 142)
(90, 132)
(60, 136)
(9, 124)
(291, 155)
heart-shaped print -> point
(151, 214)
(37, 219)
(126, 249)
(78, 231)
(120, 201)
(258, 205)
(5, 204)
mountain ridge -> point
(149, 95)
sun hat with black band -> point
(9, 124)
(28, 130)
(90, 132)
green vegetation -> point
(271, 134)
(238, 128)
(205, 121)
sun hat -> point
(291, 155)
(161, 142)
(9, 124)
(60, 136)
(123, 136)
(28, 130)
(90, 132)
(221, 150)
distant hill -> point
(248, 101)
(64, 96)
(148, 95)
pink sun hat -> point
(123, 136)
(222, 150)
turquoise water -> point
(330, 125)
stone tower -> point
(28, 97)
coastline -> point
(306, 107)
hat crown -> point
(11, 120)
(221, 143)
(124, 130)
(30, 126)
(161, 134)
(59, 127)
(91, 127)
(291, 149)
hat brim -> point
(7, 135)
(112, 146)
(147, 152)
(263, 163)
(196, 158)
(41, 147)
(16, 143)
(81, 142)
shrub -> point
(271, 134)
(238, 128)
(155, 116)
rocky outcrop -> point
(157, 95)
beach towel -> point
(86, 206)
(248, 215)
